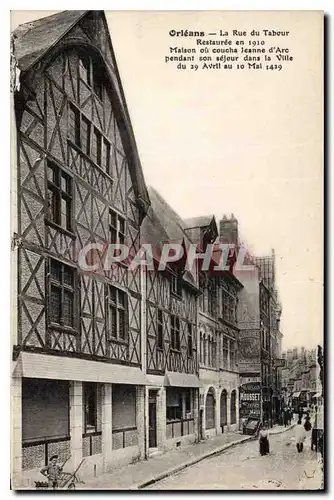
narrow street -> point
(242, 467)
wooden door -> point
(152, 419)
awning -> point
(175, 379)
(317, 395)
(296, 394)
(33, 365)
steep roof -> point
(33, 40)
(200, 221)
(163, 224)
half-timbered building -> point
(171, 334)
(78, 380)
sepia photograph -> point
(166, 250)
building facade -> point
(78, 380)
(112, 363)
(171, 335)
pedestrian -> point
(290, 415)
(286, 417)
(263, 442)
(52, 472)
(300, 435)
(307, 423)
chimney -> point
(228, 230)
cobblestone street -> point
(242, 467)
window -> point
(173, 404)
(175, 333)
(225, 353)
(211, 299)
(61, 294)
(117, 314)
(85, 135)
(90, 406)
(116, 228)
(105, 164)
(91, 74)
(233, 355)
(88, 138)
(176, 284)
(190, 341)
(96, 147)
(59, 196)
(74, 125)
(160, 331)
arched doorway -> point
(210, 409)
(233, 407)
(223, 408)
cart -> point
(66, 481)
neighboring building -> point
(78, 380)
(171, 335)
(259, 337)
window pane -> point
(85, 135)
(52, 205)
(113, 235)
(106, 155)
(96, 147)
(121, 225)
(122, 325)
(68, 276)
(121, 298)
(112, 294)
(68, 308)
(66, 214)
(113, 219)
(55, 270)
(52, 173)
(112, 321)
(55, 305)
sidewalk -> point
(141, 474)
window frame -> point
(102, 142)
(54, 186)
(175, 333)
(117, 306)
(63, 288)
(176, 284)
(120, 235)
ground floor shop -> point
(172, 411)
(96, 420)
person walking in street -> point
(263, 442)
(286, 417)
(300, 435)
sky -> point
(248, 143)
